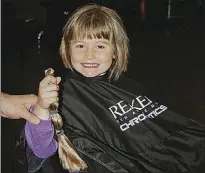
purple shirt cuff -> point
(40, 138)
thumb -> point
(58, 80)
(25, 114)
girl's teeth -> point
(90, 65)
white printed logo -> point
(139, 110)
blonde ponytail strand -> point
(69, 159)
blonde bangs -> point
(93, 24)
(90, 32)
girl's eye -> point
(80, 46)
(100, 47)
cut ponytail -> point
(69, 159)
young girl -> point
(112, 124)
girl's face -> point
(91, 57)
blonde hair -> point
(69, 158)
(94, 21)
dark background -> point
(167, 52)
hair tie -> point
(59, 132)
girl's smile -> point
(91, 57)
(90, 65)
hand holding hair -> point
(70, 160)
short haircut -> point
(95, 21)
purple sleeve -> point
(40, 138)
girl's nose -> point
(89, 53)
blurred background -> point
(167, 43)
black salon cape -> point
(115, 127)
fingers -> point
(45, 102)
(49, 87)
(25, 114)
(58, 80)
(48, 80)
(48, 91)
(46, 98)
